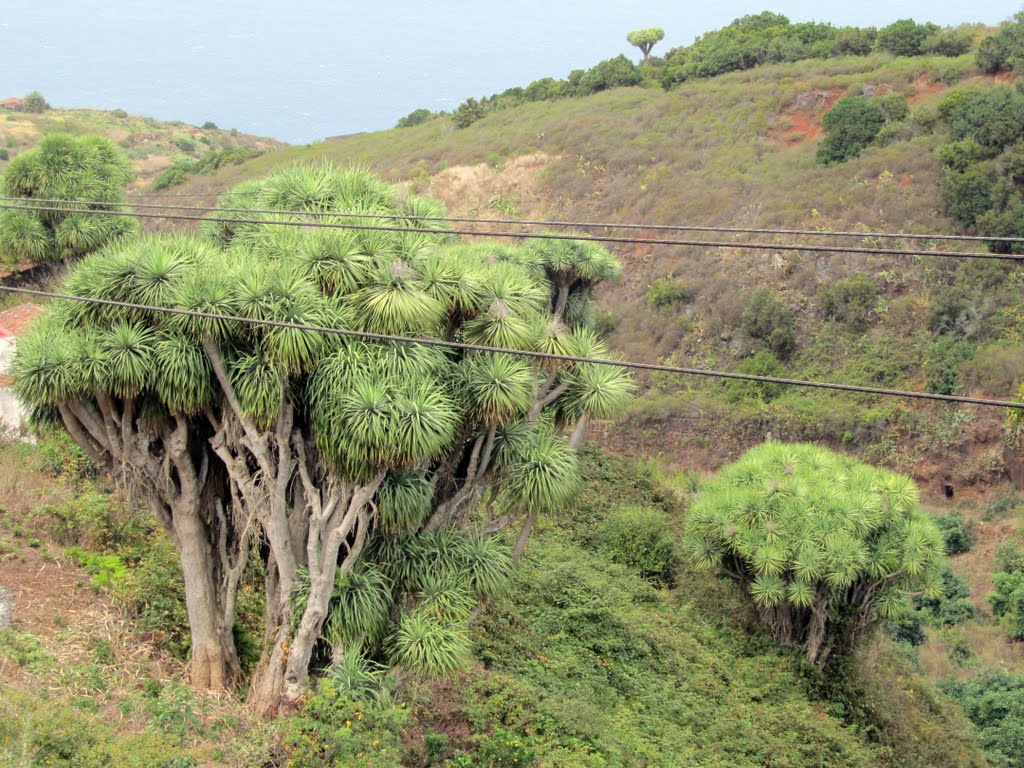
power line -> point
(526, 235)
(521, 352)
(576, 224)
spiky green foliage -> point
(824, 546)
(433, 443)
(428, 646)
(63, 167)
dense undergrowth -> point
(602, 654)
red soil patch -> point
(801, 119)
(924, 89)
(905, 180)
(1005, 77)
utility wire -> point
(521, 352)
(552, 223)
(526, 235)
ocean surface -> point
(310, 69)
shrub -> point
(176, 173)
(152, 592)
(416, 117)
(955, 533)
(996, 369)
(666, 293)
(1008, 602)
(942, 365)
(967, 196)
(994, 702)
(904, 37)
(768, 320)
(952, 41)
(960, 155)
(908, 629)
(852, 124)
(118, 113)
(848, 301)
(1005, 49)
(1010, 556)
(34, 102)
(639, 537)
(106, 570)
(209, 125)
(613, 73)
(949, 605)
(994, 117)
(468, 112)
(332, 729)
(762, 364)
(894, 106)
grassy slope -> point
(585, 664)
(151, 144)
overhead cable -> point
(522, 352)
(776, 247)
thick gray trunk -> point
(213, 665)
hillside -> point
(597, 656)
(151, 144)
(735, 150)
(585, 663)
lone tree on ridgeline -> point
(375, 475)
(646, 39)
(62, 167)
(825, 547)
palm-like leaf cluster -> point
(441, 427)
(803, 528)
(61, 167)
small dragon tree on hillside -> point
(89, 168)
(376, 473)
(646, 39)
(825, 546)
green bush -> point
(153, 594)
(904, 37)
(852, 124)
(34, 102)
(333, 730)
(416, 117)
(1008, 602)
(968, 195)
(994, 702)
(120, 114)
(613, 73)
(952, 41)
(768, 320)
(894, 107)
(666, 293)
(762, 364)
(946, 356)
(957, 535)
(849, 301)
(949, 605)
(996, 368)
(1005, 49)
(107, 570)
(639, 537)
(468, 112)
